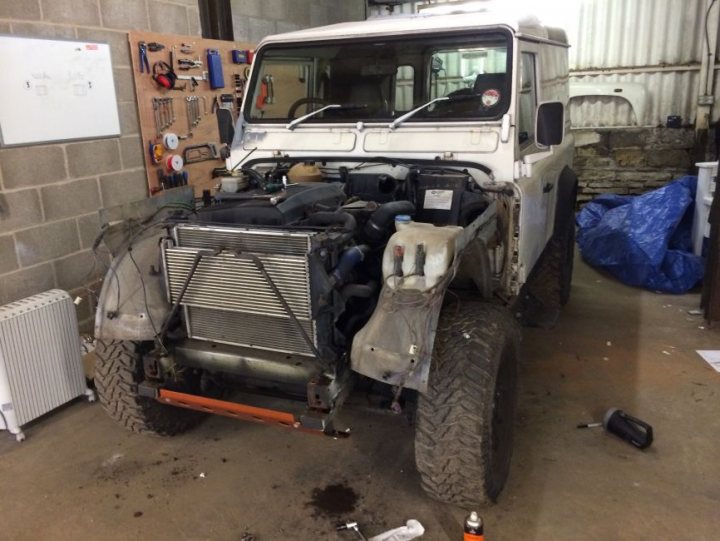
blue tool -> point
(215, 70)
(144, 64)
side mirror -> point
(550, 123)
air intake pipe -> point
(377, 227)
(343, 219)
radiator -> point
(228, 299)
(40, 358)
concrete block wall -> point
(630, 160)
(50, 194)
(254, 19)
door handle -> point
(548, 187)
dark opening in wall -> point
(216, 19)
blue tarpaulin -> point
(643, 240)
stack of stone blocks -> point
(630, 160)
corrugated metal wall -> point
(658, 43)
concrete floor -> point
(78, 476)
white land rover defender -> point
(400, 193)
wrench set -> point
(192, 105)
(164, 112)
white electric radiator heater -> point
(40, 358)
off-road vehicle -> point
(399, 193)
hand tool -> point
(200, 153)
(241, 56)
(189, 63)
(202, 77)
(352, 526)
(625, 426)
(142, 52)
(215, 69)
(156, 114)
(156, 151)
(154, 46)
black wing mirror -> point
(550, 123)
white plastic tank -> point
(707, 176)
(438, 243)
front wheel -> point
(463, 442)
(118, 371)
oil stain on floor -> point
(334, 500)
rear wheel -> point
(552, 278)
(118, 371)
(463, 442)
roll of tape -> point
(171, 141)
(174, 162)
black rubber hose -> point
(326, 218)
(376, 228)
(359, 290)
(468, 210)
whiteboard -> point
(55, 90)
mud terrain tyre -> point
(551, 284)
(463, 441)
(118, 370)
(552, 278)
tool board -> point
(156, 120)
(55, 90)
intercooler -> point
(229, 299)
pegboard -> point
(206, 129)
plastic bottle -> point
(412, 530)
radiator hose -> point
(376, 228)
(349, 259)
(338, 218)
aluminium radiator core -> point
(229, 300)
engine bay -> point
(288, 195)
(291, 258)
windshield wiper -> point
(303, 118)
(399, 120)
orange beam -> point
(228, 409)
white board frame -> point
(55, 90)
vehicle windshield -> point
(381, 80)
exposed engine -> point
(296, 267)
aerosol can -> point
(473, 528)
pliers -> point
(144, 64)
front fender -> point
(396, 344)
(133, 304)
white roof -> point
(425, 21)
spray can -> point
(473, 528)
